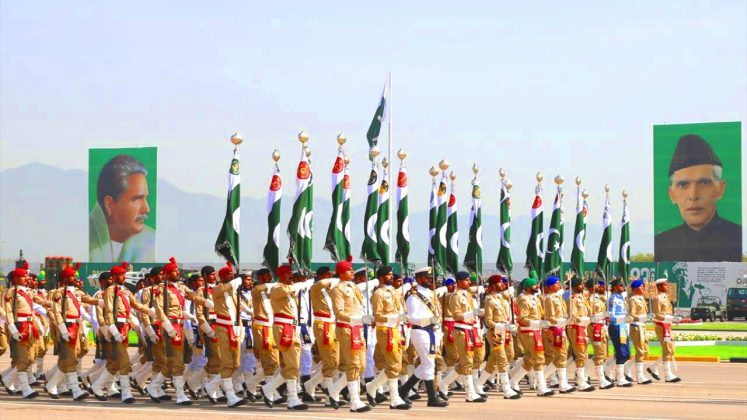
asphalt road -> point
(708, 391)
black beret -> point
(207, 270)
(575, 281)
(322, 270)
(589, 283)
(616, 282)
(692, 150)
(106, 275)
(462, 275)
(383, 271)
(262, 272)
(155, 270)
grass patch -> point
(132, 338)
(713, 326)
(723, 352)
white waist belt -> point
(464, 326)
(322, 319)
(262, 323)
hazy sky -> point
(559, 87)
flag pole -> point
(389, 174)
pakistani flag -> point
(271, 252)
(579, 235)
(375, 128)
(452, 233)
(299, 228)
(346, 215)
(369, 251)
(227, 244)
(432, 236)
(403, 221)
(382, 220)
(505, 264)
(604, 258)
(534, 246)
(473, 258)
(553, 254)
(336, 243)
(623, 265)
(308, 241)
(441, 228)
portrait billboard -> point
(122, 204)
(698, 192)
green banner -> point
(122, 186)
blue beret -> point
(409, 280)
(552, 280)
(462, 275)
(636, 284)
(449, 282)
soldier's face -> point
(127, 215)
(463, 284)
(210, 278)
(387, 279)
(119, 278)
(199, 282)
(695, 191)
(450, 288)
(22, 281)
(663, 287)
(346, 275)
(174, 275)
(247, 282)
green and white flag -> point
(346, 215)
(375, 128)
(452, 233)
(604, 258)
(382, 220)
(308, 223)
(271, 252)
(432, 232)
(299, 227)
(534, 246)
(505, 263)
(554, 252)
(579, 235)
(227, 244)
(369, 251)
(403, 221)
(336, 243)
(473, 258)
(623, 264)
(441, 228)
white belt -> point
(262, 323)
(464, 326)
(393, 324)
(322, 319)
(24, 319)
(448, 318)
(120, 319)
(224, 322)
(212, 317)
(280, 320)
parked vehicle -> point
(709, 308)
(736, 302)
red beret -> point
(343, 266)
(69, 271)
(119, 269)
(495, 279)
(171, 266)
(226, 271)
(283, 269)
(20, 272)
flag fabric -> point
(623, 264)
(271, 252)
(579, 235)
(227, 244)
(346, 214)
(403, 221)
(375, 128)
(382, 220)
(553, 254)
(299, 227)
(452, 233)
(335, 241)
(441, 217)
(308, 241)
(369, 251)
(505, 263)
(604, 258)
(534, 246)
(473, 258)
(432, 235)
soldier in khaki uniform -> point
(388, 313)
(43, 344)
(325, 343)
(466, 333)
(206, 319)
(347, 302)
(497, 321)
(66, 314)
(556, 344)
(264, 344)
(531, 313)
(663, 319)
(152, 327)
(638, 312)
(579, 317)
(597, 331)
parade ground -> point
(707, 391)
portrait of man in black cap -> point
(695, 187)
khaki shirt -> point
(386, 302)
(598, 304)
(284, 301)
(496, 311)
(460, 302)
(200, 308)
(530, 309)
(318, 301)
(22, 306)
(637, 307)
(259, 294)
(662, 306)
(175, 309)
(579, 308)
(555, 308)
(109, 297)
(71, 312)
(347, 301)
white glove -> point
(435, 320)
(209, 304)
(535, 324)
(151, 334)
(115, 333)
(562, 322)
(356, 320)
(206, 329)
(63, 331)
(643, 318)
(189, 335)
(544, 324)
(512, 328)
(479, 312)
(499, 328)
(367, 319)
(14, 332)
(511, 290)
(152, 312)
(584, 321)
(170, 331)
(403, 318)
(134, 322)
(100, 303)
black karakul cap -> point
(692, 150)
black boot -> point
(433, 398)
(404, 390)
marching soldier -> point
(579, 320)
(663, 319)
(639, 315)
(531, 313)
(498, 322)
(206, 320)
(619, 331)
(449, 345)
(264, 344)
(324, 332)
(152, 327)
(596, 331)
(466, 334)
(388, 314)
(248, 361)
(555, 343)
(348, 301)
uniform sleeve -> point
(377, 304)
(338, 305)
(523, 312)
(199, 306)
(455, 307)
(56, 307)
(146, 298)
(137, 305)
(490, 313)
(109, 306)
